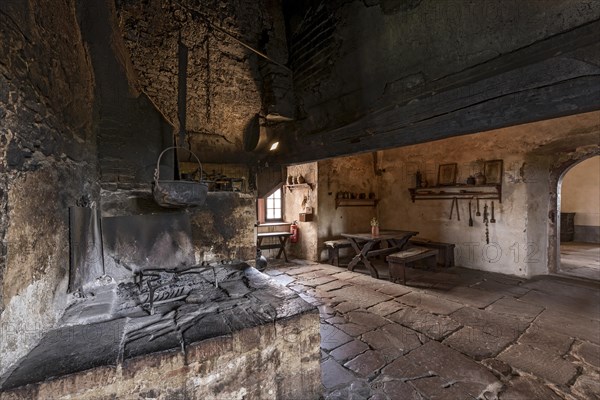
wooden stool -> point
(399, 261)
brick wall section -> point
(312, 45)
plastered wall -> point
(519, 240)
(295, 202)
(355, 175)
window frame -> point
(282, 202)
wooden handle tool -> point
(470, 217)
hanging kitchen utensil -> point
(493, 220)
(178, 194)
(478, 214)
(454, 203)
(470, 217)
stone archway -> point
(558, 171)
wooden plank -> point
(382, 252)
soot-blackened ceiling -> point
(227, 85)
(368, 74)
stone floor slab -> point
(334, 375)
(540, 363)
(346, 307)
(338, 319)
(398, 390)
(587, 329)
(393, 340)
(433, 326)
(470, 296)
(476, 343)
(499, 325)
(303, 269)
(588, 352)
(436, 387)
(564, 287)
(587, 386)
(517, 308)
(499, 368)
(385, 308)
(394, 290)
(547, 340)
(332, 337)
(346, 275)
(316, 281)
(585, 306)
(333, 285)
(521, 388)
(430, 303)
(449, 366)
(349, 350)
(367, 363)
(354, 330)
(366, 318)
(324, 296)
(490, 285)
(361, 295)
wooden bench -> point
(445, 257)
(333, 250)
(398, 262)
(282, 236)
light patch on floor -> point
(580, 259)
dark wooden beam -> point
(551, 78)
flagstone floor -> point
(451, 334)
(580, 260)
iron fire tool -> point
(454, 204)
(493, 220)
(485, 221)
(470, 217)
(478, 214)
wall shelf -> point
(482, 192)
(355, 203)
(300, 186)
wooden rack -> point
(355, 202)
(300, 186)
(483, 192)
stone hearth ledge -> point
(259, 340)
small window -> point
(275, 206)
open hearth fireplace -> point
(146, 318)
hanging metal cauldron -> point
(178, 194)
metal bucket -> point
(178, 194)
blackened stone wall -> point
(47, 163)
(131, 131)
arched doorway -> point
(578, 214)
